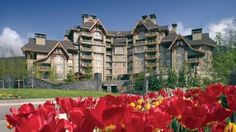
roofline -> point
(181, 37)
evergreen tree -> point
(171, 79)
(181, 78)
(70, 77)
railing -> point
(151, 49)
(44, 68)
(85, 41)
(151, 56)
(150, 34)
(152, 64)
(193, 60)
(130, 59)
(87, 34)
(86, 56)
(151, 42)
(108, 67)
(87, 49)
(108, 52)
(140, 42)
(108, 59)
(86, 64)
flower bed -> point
(194, 110)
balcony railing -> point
(87, 49)
(151, 49)
(86, 57)
(108, 67)
(85, 41)
(87, 34)
(86, 64)
(149, 57)
(152, 64)
(140, 42)
(151, 34)
(192, 60)
(130, 59)
(108, 52)
(151, 42)
(44, 68)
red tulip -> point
(214, 89)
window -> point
(97, 35)
(70, 62)
(141, 35)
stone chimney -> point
(174, 28)
(153, 18)
(87, 17)
(40, 39)
(144, 17)
(197, 34)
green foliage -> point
(171, 79)
(70, 77)
(182, 77)
(52, 74)
(193, 81)
(223, 64)
(139, 81)
(156, 82)
(13, 66)
(88, 73)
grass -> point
(48, 93)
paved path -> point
(5, 105)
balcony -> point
(130, 59)
(108, 59)
(151, 34)
(87, 49)
(44, 68)
(151, 50)
(150, 57)
(85, 41)
(108, 52)
(87, 34)
(152, 64)
(140, 42)
(83, 64)
(108, 67)
(89, 57)
(151, 42)
(192, 60)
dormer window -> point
(97, 35)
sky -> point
(20, 19)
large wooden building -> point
(117, 53)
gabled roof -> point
(149, 24)
(49, 45)
(90, 24)
(169, 38)
(179, 37)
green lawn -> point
(46, 93)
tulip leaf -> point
(223, 100)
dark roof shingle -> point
(206, 40)
(49, 44)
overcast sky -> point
(20, 19)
